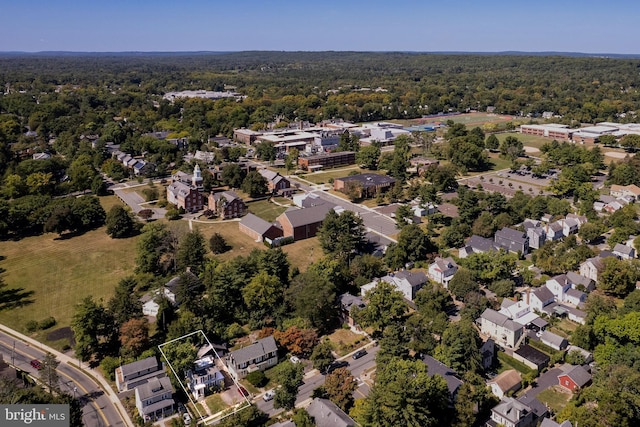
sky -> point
(586, 26)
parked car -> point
(269, 395)
(336, 365)
(186, 418)
(36, 364)
(358, 354)
(294, 359)
(243, 391)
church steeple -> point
(196, 180)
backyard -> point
(555, 398)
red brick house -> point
(227, 205)
(185, 196)
(575, 378)
(276, 183)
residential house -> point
(259, 229)
(623, 251)
(539, 409)
(303, 223)
(154, 399)
(554, 231)
(204, 377)
(537, 236)
(150, 301)
(227, 204)
(625, 190)
(512, 240)
(258, 356)
(185, 196)
(368, 184)
(477, 244)
(574, 378)
(570, 226)
(488, 352)
(580, 282)
(442, 270)
(435, 367)
(133, 374)
(533, 358)
(519, 311)
(276, 183)
(407, 282)
(505, 382)
(325, 413)
(511, 413)
(501, 328)
(554, 341)
(540, 297)
(548, 422)
(575, 297)
(559, 285)
(592, 267)
(347, 303)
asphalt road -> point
(357, 367)
(98, 410)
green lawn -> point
(266, 210)
(323, 177)
(60, 273)
(215, 403)
(508, 362)
(527, 140)
(555, 398)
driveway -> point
(544, 381)
(137, 203)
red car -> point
(36, 364)
(243, 391)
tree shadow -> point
(14, 298)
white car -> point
(186, 418)
(294, 359)
(269, 395)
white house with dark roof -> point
(580, 282)
(537, 236)
(592, 267)
(540, 297)
(154, 399)
(501, 328)
(554, 231)
(442, 270)
(623, 251)
(258, 356)
(133, 374)
(204, 377)
(325, 413)
(407, 282)
(512, 413)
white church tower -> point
(196, 179)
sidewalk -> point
(75, 363)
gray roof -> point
(578, 374)
(548, 422)
(370, 179)
(543, 293)
(509, 408)
(174, 283)
(415, 278)
(326, 414)
(257, 349)
(536, 406)
(481, 243)
(312, 215)
(554, 339)
(511, 234)
(230, 196)
(347, 301)
(255, 223)
(436, 367)
(287, 423)
(574, 293)
(268, 174)
(578, 279)
(154, 387)
(500, 319)
(140, 365)
(623, 249)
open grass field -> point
(555, 398)
(344, 341)
(527, 140)
(215, 403)
(265, 209)
(60, 273)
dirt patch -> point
(531, 149)
(62, 333)
(616, 154)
